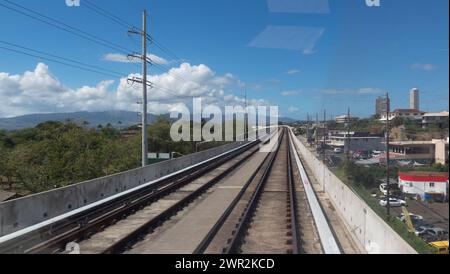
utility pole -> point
(144, 90)
(348, 134)
(388, 186)
(307, 127)
(323, 147)
(324, 125)
(245, 115)
(144, 82)
(317, 130)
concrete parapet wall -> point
(21, 213)
(364, 224)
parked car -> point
(394, 202)
(437, 234)
(414, 218)
(376, 153)
(338, 150)
(421, 231)
(393, 188)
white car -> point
(394, 202)
(413, 217)
(383, 188)
(416, 220)
(337, 150)
(376, 153)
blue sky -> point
(340, 54)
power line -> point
(63, 26)
(166, 50)
(59, 62)
(62, 58)
(106, 14)
(94, 69)
(109, 15)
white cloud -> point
(293, 71)
(293, 109)
(39, 91)
(291, 93)
(121, 58)
(158, 60)
(425, 67)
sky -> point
(305, 56)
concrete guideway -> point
(198, 211)
(32, 236)
(327, 237)
(71, 213)
(102, 241)
(188, 232)
(268, 232)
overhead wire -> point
(63, 26)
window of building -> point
(431, 184)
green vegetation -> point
(413, 130)
(363, 181)
(55, 154)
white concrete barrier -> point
(364, 224)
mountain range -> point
(119, 119)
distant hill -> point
(119, 119)
(286, 120)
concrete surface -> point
(186, 234)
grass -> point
(416, 242)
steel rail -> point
(223, 218)
(292, 192)
(138, 232)
(235, 242)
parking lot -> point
(434, 214)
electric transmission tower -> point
(142, 80)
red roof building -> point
(423, 184)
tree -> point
(397, 121)
(2, 164)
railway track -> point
(242, 202)
(54, 235)
(271, 214)
(269, 223)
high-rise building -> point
(414, 99)
(380, 106)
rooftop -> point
(406, 143)
(425, 173)
(408, 111)
(437, 114)
(424, 176)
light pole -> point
(388, 202)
